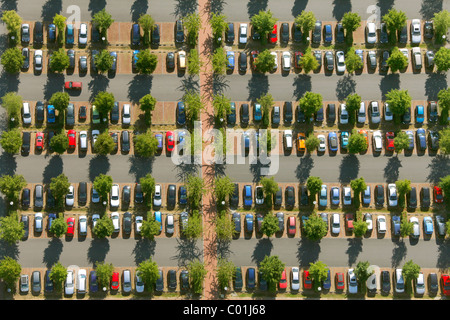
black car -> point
(433, 140)
(433, 284)
(276, 115)
(172, 279)
(126, 195)
(138, 194)
(237, 279)
(383, 34)
(425, 197)
(170, 60)
(403, 35)
(26, 58)
(231, 117)
(127, 223)
(82, 193)
(289, 197)
(51, 134)
(115, 114)
(340, 38)
(331, 113)
(236, 217)
(184, 280)
(284, 32)
(93, 283)
(379, 195)
(318, 116)
(50, 203)
(125, 141)
(156, 37)
(278, 198)
(38, 37)
(48, 283)
(255, 34)
(95, 34)
(242, 61)
(179, 31)
(318, 55)
(262, 282)
(171, 195)
(93, 54)
(406, 118)
(296, 33)
(115, 137)
(385, 282)
(159, 286)
(411, 198)
(300, 115)
(287, 112)
(70, 115)
(71, 55)
(317, 32)
(329, 60)
(234, 198)
(428, 29)
(244, 113)
(26, 138)
(304, 199)
(26, 224)
(40, 111)
(25, 197)
(229, 34)
(432, 111)
(181, 114)
(383, 64)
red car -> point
(254, 56)
(445, 284)
(291, 226)
(297, 59)
(70, 226)
(438, 196)
(170, 141)
(273, 36)
(339, 280)
(283, 281)
(349, 221)
(40, 140)
(307, 281)
(390, 141)
(72, 135)
(76, 85)
(115, 281)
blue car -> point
(396, 225)
(182, 195)
(333, 141)
(420, 111)
(246, 140)
(334, 195)
(427, 225)
(113, 54)
(360, 54)
(366, 196)
(230, 60)
(181, 139)
(410, 135)
(257, 113)
(93, 284)
(51, 32)
(51, 118)
(323, 196)
(248, 196)
(231, 117)
(70, 36)
(327, 282)
(135, 59)
(344, 139)
(249, 222)
(328, 33)
(158, 218)
(51, 217)
(181, 114)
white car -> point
(405, 53)
(243, 33)
(138, 220)
(368, 218)
(82, 222)
(377, 141)
(95, 218)
(346, 196)
(83, 140)
(388, 115)
(157, 196)
(95, 134)
(416, 227)
(275, 58)
(416, 33)
(38, 60)
(286, 61)
(26, 113)
(420, 284)
(336, 223)
(81, 281)
(381, 224)
(126, 114)
(38, 222)
(295, 279)
(182, 60)
(322, 147)
(362, 113)
(69, 285)
(343, 114)
(371, 33)
(170, 227)
(70, 197)
(340, 62)
(139, 283)
(416, 57)
(82, 34)
(115, 199)
(259, 191)
(116, 221)
(374, 111)
(399, 281)
(392, 195)
(352, 282)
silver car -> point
(69, 285)
(352, 282)
(416, 32)
(336, 223)
(243, 33)
(70, 196)
(340, 62)
(38, 60)
(116, 221)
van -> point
(81, 281)
(362, 113)
(331, 113)
(26, 138)
(287, 140)
(26, 113)
(229, 35)
(82, 193)
(135, 34)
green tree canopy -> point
(351, 21)
(60, 23)
(12, 60)
(12, 103)
(145, 144)
(318, 272)
(11, 186)
(223, 188)
(305, 20)
(146, 62)
(194, 228)
(59, 143)
(266, 102)
(59, 60)
(103, 61)
(104, 101)
(270, 187)
(271, 269)
(444, 184)
(195, 188)
(194, 63)
(444, 103)
(315, 228)
(13, 21)
(104, 273)
(397, 60)
(148, 185)
(11, 229)
(310, 103)
(149, 273)
(264, 62)
(103, 184)
(147, 103)
(264, 22)
(60, 187)
(442, 59)
(150, 227)
(224, 226)
(363, 272)
(308, 62)
(102, 20)
(410, 272)
(193, 24)
(269, 225)
(225, 272)
(221, 105)
(11, 141)
(10, 271)
(399, 101)
(197, 274)
(59, 226)
(147, 23)
(194, 105)
(395, 21)
(58, 275)
(218, 24)
(219, 61)
(358, 185)
(441, 23)
(444, 140)
(401, 141)
(60, 100)
(104, 227)
(352, 61)
(357, 142)
(314, 185)
(105, 143)
(312, 142)
(406, 227)
(352, 103)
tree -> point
(363, 273)
(12, 103)
(312, 142)
(223, 188)
(358, 185)
(102, 20)
(194, 62)
(444, 103)
(145, 144)
(60, 187)
(441, 23)
(10, 271)
(59, 61)
(444, 140)
(219, 61)
(444, 184)
(149, 272)
(406, 227)
(395, 21)
(193, 24)
(224, 226)
(266, 102)
(314, 185)
(103, 61)
(147, 104)
(350, 21)
(194, 105)
(360, 227)
(270, 139)
(305, 20)
(270, 187)
(353, 103)
(403, 187)
(357, 143)
(11, 186)
(104, 101)
(11, 229)
(148, 185)
(105, 143)
(308, 62)
(197, 274)
(352, 61)
(264, 62)
(150, 227)
(225, 272)
(59, 226)
(269, 225)
(12, 60)
(60, 23)
(315, 228)
(103, 184)
(399, 101)
(104, 273)
(397, 60)
(318, 272)
(58, 275)
(410, 271)
(441, 59)
(195, 188)
(11, 141)
(218, 24)
(310, 103)
(271, 269)
(194, 228)
(263, 22)
(146, 62)
(147, 23)
(60, 100)
(401, 142)
(13, 22)
(59, 143)
(104, 227)
(221, 105)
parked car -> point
(352, 282)
(396, 225)
(70, 226)
(340, 62)
(116, 221)
(416, 229)
(69, 283)
(371, 33)
(339, 281)
(392, 195)
(335, 223)
(385, 282)
(438, 196)
(381, 224)
(416, 31)
(399, 281)
(427, 225)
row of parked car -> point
(375, 282)
(83, 283)
(38, 33)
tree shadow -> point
(256, 169)
(443, 259)
(139, 86)
(349, 168)
(143, 250)
(189, 83)
(398, 253)
(302, 84)
(9, 250)
(98, 250)
(262, 249)
(429, 8)
(98, 165)
(257, 86)
(184, 7)
(140, 166)
(435, 82)
(220, 83)
(389, 82)
(96, 6)
(3, 43)
(391, 171)
(223, 249)
(55, 83)
(340, 8)
(98, 83)
(8, 83)
(308, 251)
(184, 170)
(8, 5)
(216, 6)
(304, 168)
(53, 252)
(345, 86)
(385, 6)
(53, 169)
(254, 6)
(8, 164)
(298, 7)
(187, 251)
(438, 168)
(138, 8)
(353, 250)
(50, 8)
